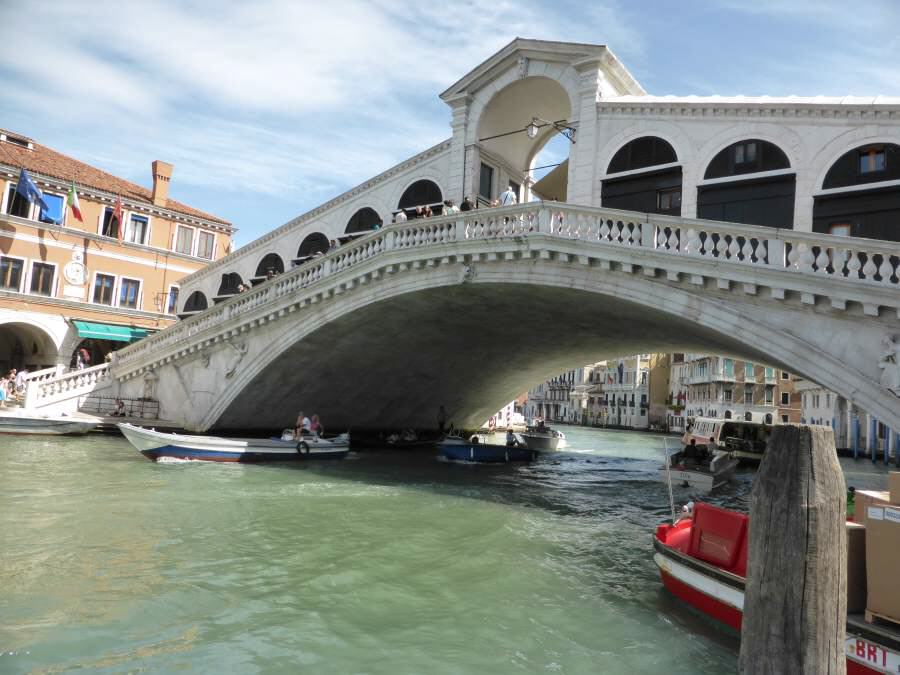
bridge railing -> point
(41, 392)
(859, 260)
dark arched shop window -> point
(272, 262)
(230, 283)
(314, 243)
(363, 220)
(649, 191)
(746, 198)
(641, 153)
(420, 193)
(196, 302)
(867, 206)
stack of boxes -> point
(879, 513)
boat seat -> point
(719, 537)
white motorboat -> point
(542, 437)
(157, 445)
(30, 423)
(696, 467)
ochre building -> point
(66, 284)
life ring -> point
(303, 447)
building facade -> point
(67, 284)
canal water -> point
(388, 562)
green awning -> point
(105, 331)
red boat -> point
(702, 560)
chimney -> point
(162, 173)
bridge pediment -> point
(521, 53)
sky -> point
(269, 108)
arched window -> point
(641, 153)
(272, 262)
(749, 156)
(727, 414)
(768, 418)
(363, 220)
(420, 193)
(651, 191)
(312, 244)
(230, 283)
(753, 200)
(196, 302)
(865, 207)
(748, 416)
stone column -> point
(456, 180)
(583, 154)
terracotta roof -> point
(45, 161)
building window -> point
(137, 229)
(54, 212)
(785, 398)
(205, 244)
(840, 229)
(110, 227)
(748, 395)
(42, 278)
(745, 153)
(16, 204)
(785, 375)
(172, 303)
(486, 181)
(103, 289)
(11, 273)
(770, 373)
(784, 419)
(669, 200)
(129, 290)
(770, 395)
(872, 160)
(726, 395)
(184, 240)
(729, 368)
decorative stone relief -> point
(890, 364)
(523, 67)
(150, 380)
(240, 351)
(469, 273)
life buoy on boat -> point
(303, 447)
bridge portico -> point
(469, 310)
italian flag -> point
(72, 200)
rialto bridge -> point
(762, 228)
(468, 310)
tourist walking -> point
(508, 198)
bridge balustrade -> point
(861, 261)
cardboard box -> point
(863, 499)
(894, 486)
(856, 568)
(883, 560)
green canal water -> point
(387, 562)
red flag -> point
(117, 214)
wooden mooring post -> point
(795, 602)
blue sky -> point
(269, 108)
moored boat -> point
(469, 450)
(20, 422)
(702, 560)
(745, 440)
(158, 445)
(696, 467)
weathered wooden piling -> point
(795, 603)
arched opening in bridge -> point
(196, 302)
(23, 345)
(421, 193)
(363, 220)
(508, 155)
(271, 262)
(738, 186)
(860, 196)
(230, 285)
(312, 244)
(651, 183)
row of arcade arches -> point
(421, 193)
(752, 181)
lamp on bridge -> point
(536, 124)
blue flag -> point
(28, 189)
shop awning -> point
(105, 331)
